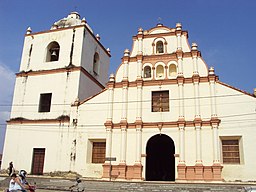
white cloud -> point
(7, 79)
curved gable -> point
(160, 29)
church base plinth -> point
(137, 171)
(199, 172)
(181, 172)
(123, 171)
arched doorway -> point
(160, 162)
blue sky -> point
(223, 29)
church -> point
(163, 116)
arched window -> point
(159, 71)
(53, 51)
(172, 70)
(96, 62)
(147, 72)
(159, 47)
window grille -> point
(98, 152)
(230, 151)
(160, 101)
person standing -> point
(10, 168)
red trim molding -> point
(123, 171)
(199, 172)
(63, 119)
(163, 82)
(60, 70)
(170, 124)
(72, 27)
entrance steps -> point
(55, 184)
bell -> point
(54, 54)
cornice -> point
(55, 30)
(61, 119)
(170, 124)
(60, 70)
(163, 81)
(67, 28)
(160, 57)
(172, 33)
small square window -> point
(45, 102)
(160, 101)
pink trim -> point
(123, 171)
(72, 27)
(200, 172)
(60, 70)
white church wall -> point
(119, 73)
(116, 145)
(243, 132)
(132, 71)
(207, 145)
(171, 44)
(236, 111)
(189, 106)
(131, 147)
(88, 135)
(90, 46)
(190, 146)
(132, 104)
(134, 49)
(32, 136)
(147, 46)
(202, 67)
(117, 105)
(28, 96)
(205, 101)
(94, 108)
(187, 67)
(38, 55)
(87, 87)
(185, 44)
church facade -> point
(164, 115)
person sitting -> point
(15, 184)
(22, 177)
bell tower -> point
(57, 67)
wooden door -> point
(38, 161)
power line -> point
(100, 125)
(24, 111)
(132, 101)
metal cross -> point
(159, 20)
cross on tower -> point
(159, 19)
